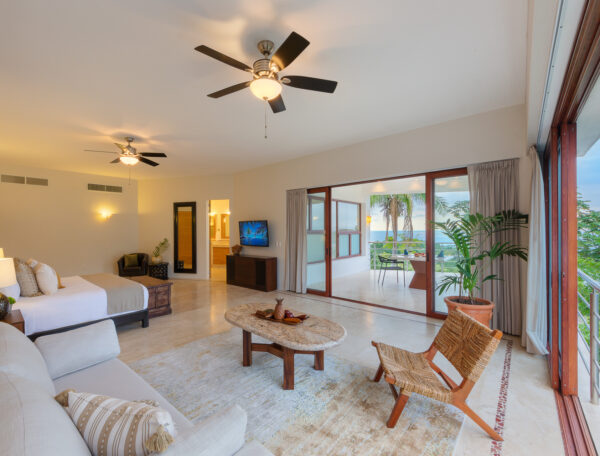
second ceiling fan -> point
(266, 83)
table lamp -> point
(8, 278)
(1, 252)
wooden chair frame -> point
(459, 392)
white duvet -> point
(79, 302)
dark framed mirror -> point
(184, 235)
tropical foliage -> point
(470, 234)
(401, 205)
(588, 259)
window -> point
(346, 227)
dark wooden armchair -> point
(463, 341)
(131, 271)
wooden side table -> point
(159, 295)
(15, 318)
(159, 271)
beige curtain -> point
(535, 318)
(493, 188)
(295, 241)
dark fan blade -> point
(228, 90)
(152, 154)
(148, 162)
(100, 151)
(277, 104)
(116, 160)
(223, 58)
(305, 82)
(291, 48)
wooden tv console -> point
(256, 272)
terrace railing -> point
(588, 330)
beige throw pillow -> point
(26, 279)
(114, 427)
(46, 277)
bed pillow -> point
(26, 279)
(46, 277)
(131, 260)
(12, 291)
(32, 263)
(114, 427)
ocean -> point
(417, 234)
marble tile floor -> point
(531, 423)
(365, 286)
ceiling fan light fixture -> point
(265, 88)
(129, 160)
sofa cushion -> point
(19, 356)
(221, 434)
(114, 378)
(117, 427)
(131, 260)
(80, 348)
(35, 424)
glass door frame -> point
(430, 235)
(327, 227)
(430, 258)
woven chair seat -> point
(412, 373)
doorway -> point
(219, 217)
(374, 243)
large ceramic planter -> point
(482, 312)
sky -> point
(588, 176)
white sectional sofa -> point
(32, 423)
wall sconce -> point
(368, 219)
(105, 214)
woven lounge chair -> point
(463, 341)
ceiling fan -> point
(129, 154)
(266, 83)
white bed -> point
(79, 302)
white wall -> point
(61, 224)
(260, 193)
(155, 206)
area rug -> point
(338, 411)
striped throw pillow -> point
(115, 427)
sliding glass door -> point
(318, 241)
(449, 201)
(374, 242)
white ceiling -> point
(77, 74)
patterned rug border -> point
(496, 447)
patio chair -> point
(463, 341)
(390, 264)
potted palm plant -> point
(156, 253)
(472, 235)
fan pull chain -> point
(129, 183)
(266, 119)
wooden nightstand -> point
(15, 318)
(159, 271)
(159, 295)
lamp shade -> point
(7, 272)
(1, 252)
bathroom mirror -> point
(184, 235)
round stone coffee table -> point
(312, 337)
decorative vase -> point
(5, 306)
(482, 312)
(156, 259)
(279, 311)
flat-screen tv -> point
(254, 233)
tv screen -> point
(254, 233)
